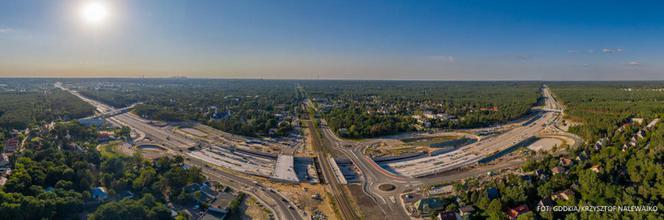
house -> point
(204, 198)
(429, 206)
(103, 136)
(215, 214)
(637, 121)
(652, 124)
(99, 194)
(4, 160)
(632, 142)
(596, 168)
(11, 145)
(449, 215)
(205, 192)
(600, 143)
(566, 162)
(492, 193)
(513, 213)
(564, 195)
(442, 190)
(558, 170)
(466, 211)
(527, 177)
(206, 189)
(429, 114)
(597, 146)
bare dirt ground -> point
(194, 132)
(252, 210)
(392, 148)
(569, 123)
(545, 144)
(151, 151)
(422, 143)
(308, 149)
(303, 196)
(366, 204)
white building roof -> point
(284, 170)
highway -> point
(426, 171)
(177, 144)
(477, 151)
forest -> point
(605, 177)
(598, 109)
(375, 108)
(245, 107)
(53, 176)
(612, 173)
(18, 109)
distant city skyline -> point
(367, 40)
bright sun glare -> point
(94, 13)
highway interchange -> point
(405, 175)
(177, 144)
(409, 175)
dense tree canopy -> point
(19, 109)
(53, 176)
(610, 176)
(374, 108)
(246, 107)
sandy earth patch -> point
(303, 196)
(545, 144)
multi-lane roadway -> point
(403, 176)
(411, 174)
(176, 144)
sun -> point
(94, 13)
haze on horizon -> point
(441, 40)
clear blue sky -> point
(380, 39)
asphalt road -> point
(389, 201)
(176, 143)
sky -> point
(336, 39)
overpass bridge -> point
(548, 109)
(112, 113)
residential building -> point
(11, 145)
(515, 212)
(566, 162)
(449, 215)
(429, 206)
(442, 190)
(564, 195)
(492, 193)
(99, 194)
(215, 214)
(466, 211)
(558, 170)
